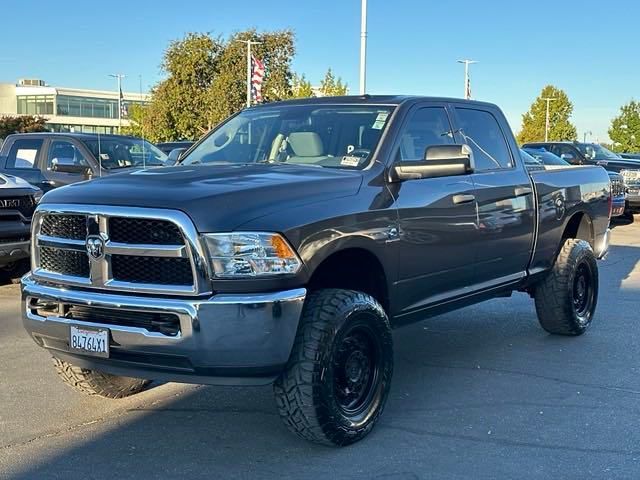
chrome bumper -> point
(223, 339)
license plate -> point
(89, 341)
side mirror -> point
(439, 161)
(175, 155)
(568, 157)
(64, 167)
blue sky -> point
(581, 47)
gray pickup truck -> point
(292, 239)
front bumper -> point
(223, 339)
(13, 251)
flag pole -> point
(119, 77)
(249, 43)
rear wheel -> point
(339, 373)
(566, 298)
(93, 382)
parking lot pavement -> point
(478, 393)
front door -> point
(437, 218)
(63, 152)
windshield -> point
(597, 152)
(544, 157)
(528, 159)
(125, 152)
(335, 136)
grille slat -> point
(159, 270)
(144, 231)
(66, 262)
(165, 323)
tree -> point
(330, 86)
(206, 82)
(625, 128)
(301, 87)
(560, 110)
(21, 124)
(137, 121)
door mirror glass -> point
(63, 166)
(439, 161)
(175, 155)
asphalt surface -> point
(480, 393)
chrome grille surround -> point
(100, 272)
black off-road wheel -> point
(566, 298)
(339, 373)
(93, 382)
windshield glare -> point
(335, 136)
(597, 152)
(115, 153)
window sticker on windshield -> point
(350, 161)
(104, 156)
(380, 119)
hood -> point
(216, 197)
(620, 163)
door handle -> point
(522, 191)
(459, 199)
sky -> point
(587, 48)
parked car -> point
(594, 154)
(167, 147)
(539, 157)
(18, 200)
(631, 156)
(48, 160)
(287, 257)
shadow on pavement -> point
(478, 393)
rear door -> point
(437, 217)
(504, 195)
(23, 158)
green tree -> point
(137, 121)
(301, 87)
(21, 124)
(206, 82)
(560, 110)
(330, 86)
(625, 128)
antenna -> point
(144, 156)
(99, 156)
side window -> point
(427, 127)
(63, 152)
(570, 153)
(482, 133)
(23, 153)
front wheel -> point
(339, 373)
(566, 298)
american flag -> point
(257, 75)
(124, 111)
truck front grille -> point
(163, 271)
(115, 248)
(66, 262)
(144, 231)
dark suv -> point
(578, 153)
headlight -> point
(250, 254)
(37, 196)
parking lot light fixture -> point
(546, 124)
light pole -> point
(584, 136)
(119, 77)
(363, 48)
(467, 81)
(546, 124)
(249, 43)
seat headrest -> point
(306, 144)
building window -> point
(35, 104)
(91, 107)
(74, 128)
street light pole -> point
(546, 125)
(584, 136)
(363, 48)
(249, 43)
(467, 81)
(119, 77)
